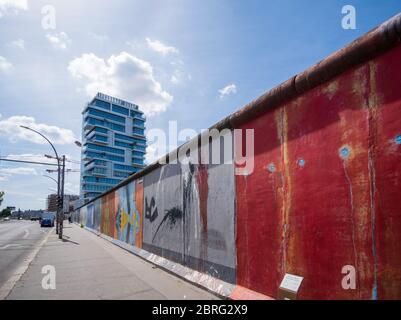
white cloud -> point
(179, 77)
(10, 128)
(18, 170)
(12, 6)
(20, 44)
(124, 76)
(59, 41)
(6, 173)
(98, 37)
(151, 154)
(133, 45)
(227, 90)
(175, 78)
(160, 47)
(5, 65)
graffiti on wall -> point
(170, 220)
(109, 211)
(179, 203)
(117, 214)
(128, 214)
(151, 209)
(89, 216)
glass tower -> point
(113, 144)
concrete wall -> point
(189, 217)
(325, 193)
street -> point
(87, 267)
(18, 238)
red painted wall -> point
(326, 189)
(387, 170)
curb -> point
(216, 286)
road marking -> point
(26, 233)
(10, 245)
(5, 290)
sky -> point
(193, 62)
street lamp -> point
(50, 178)
(58, 173)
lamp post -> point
(60, 200)
(50, 178)
(60, 234)
(60, 206)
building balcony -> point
(138, 149)
(86, 157)
(138, 117)
(88, 126)
(97, 140)
(96, 171)
(95, 163)
(139, 125)
(95, 187)
(90, 134)
(105, 118)
(139, 136)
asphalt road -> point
(18, 238)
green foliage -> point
(1, 197)
(5, 212)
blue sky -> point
(174, 58)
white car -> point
(6, 219)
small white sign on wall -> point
(291, 282)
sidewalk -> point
(89, 267)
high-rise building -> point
(113, 144)
(52, 203)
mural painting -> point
(128, 217)
(109, 212)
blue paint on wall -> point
(301, 163)
(374, 293)
(398, 139)
(344, 152)
(271, 167)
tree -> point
(1, 197)
(5, 212)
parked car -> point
(47, 219)
(6, 219)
